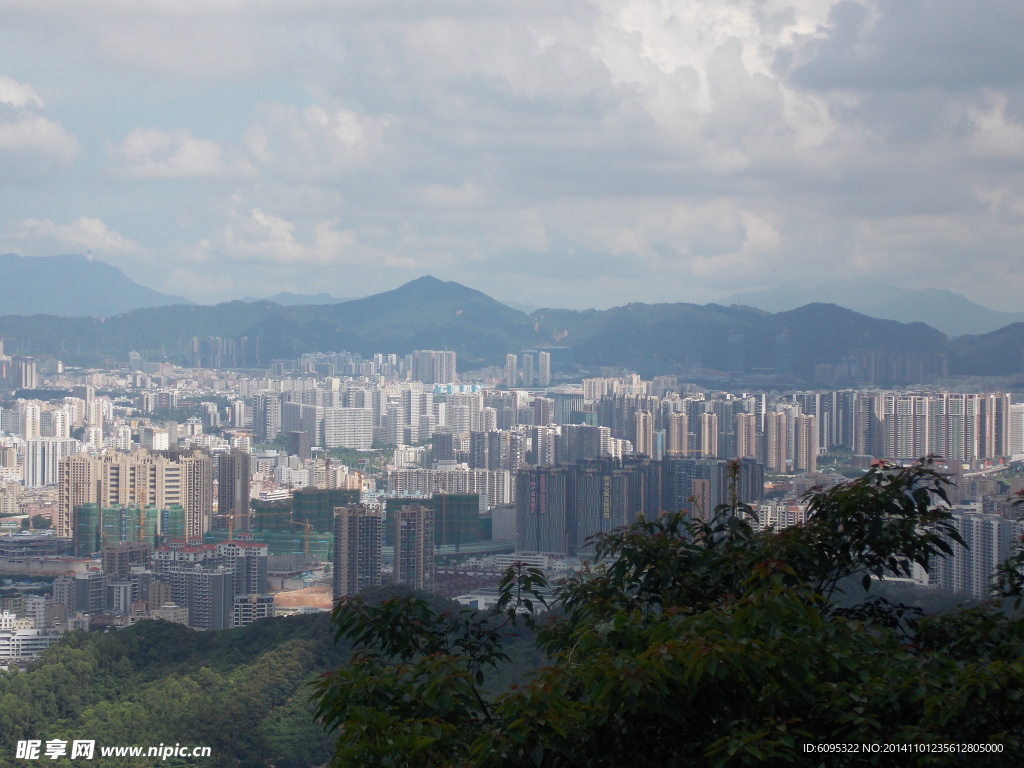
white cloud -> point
(257, 144)
(45, 237)
(317, 140)
(36, 135)
(1003, 204)
(149, 153)
(269, 239)
(32, 145)
(995, 133)
(675, 150)
(18, 94)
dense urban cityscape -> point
(214, 497)
(487, 385)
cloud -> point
(592, 151)
(316, 140)
(32, 145)
(912, 44)
(45, 237)
(995, 133)
(149, 153)
(219, 39)
(18, 94)
(270, 239)
(278, 254)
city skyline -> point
(624, 152)
(344, 341)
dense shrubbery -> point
(698, 643)
(243, 693)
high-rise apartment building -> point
(677, 434)
(707, 481)
(298, 444)
(84, 591)
(529, 374)
(542, 514)
(29, 419)
(511, 371)
(495, 485)
(175, 478)
(412, 535)
(348, 428)
(746, 435)
(544, 369)
(234, 472)
(358, 545)
(266, 416)
(578, 442)
(805, 445)
(41, 460)
(709, 435)
(303, 417)
(247, 560)
(990, 540)
(250, 608)
(867, 433)
(1015, 431)
(207, 579)
(908, 425)
(155, 439)
(207, 592)
(775, 441)
(25, 376)
(55, 423)
(432, 366)
(238, 414)
(558, 509)
(121, 557)
(643, 442)
(543, 450)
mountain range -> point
(428, 313)
(949, 312)
(288, 299)
(72, 286)
(81, 286)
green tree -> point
(692, 642)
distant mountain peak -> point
(431, 283)
(74, 285)
(430, 286)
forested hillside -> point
(242, 692)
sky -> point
(569, 153)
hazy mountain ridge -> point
(992, 354)
(72, 286)
(951, 313)
(428, 313)
(289, 299)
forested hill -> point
(242, 692)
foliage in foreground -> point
(693, 642)
(242, 692)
